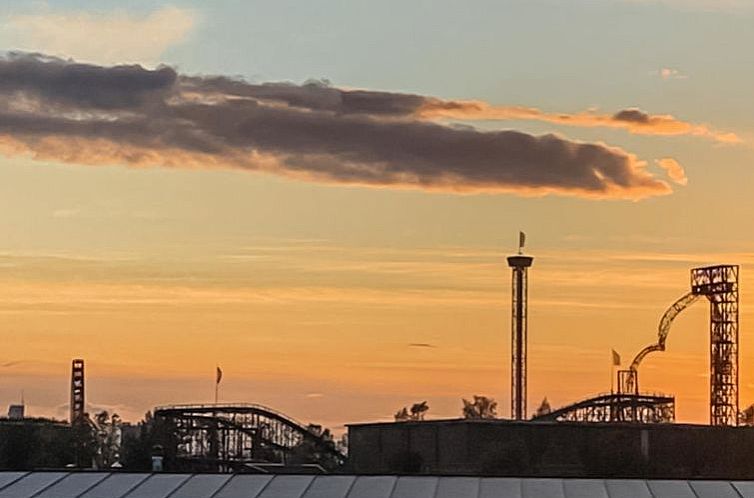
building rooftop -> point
(133, 485)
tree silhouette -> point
(418, 410)
(544, 408)
(481, 408)
(414, 414)
(402, 415)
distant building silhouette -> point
(16, 412)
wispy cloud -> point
(674, 169)
(632, 120)
(668, 73)
(66, 213)
(104, 37)
(427, 279)
(131, 115)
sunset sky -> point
(319, 198)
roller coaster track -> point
(641, 408)
(663, 329)
(238, 434)
(628, 380)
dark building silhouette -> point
(16, 412)
(551, 449)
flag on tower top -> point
(521, 242)
(219, 375)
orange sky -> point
(338, 334)
(627, 162)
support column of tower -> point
(519, 289)
(720, 285)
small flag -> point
(219, 375)
(521, 242)
(616, 358)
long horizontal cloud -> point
(319, 96)
(632, 120)
(80, 113)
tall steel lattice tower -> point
(519, 265)
(78, 414)
(719, 284)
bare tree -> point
(481, 407)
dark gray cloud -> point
(632, 116)
(313, 95)
(82, 113)
(83, 85)
(320, 96)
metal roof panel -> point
(330, 487)
(31, 484)
(116, 485)
(73, 486)
(244, 486)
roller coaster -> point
(719, 284)
(628, 380)
(612, 407)
(240, 436)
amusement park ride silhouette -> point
(719, 285)
(228, 435)
(231, 435)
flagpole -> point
(615, 362)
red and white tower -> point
(78, 413)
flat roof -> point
(548, 423)
(64, 484)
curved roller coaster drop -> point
(719, 284)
